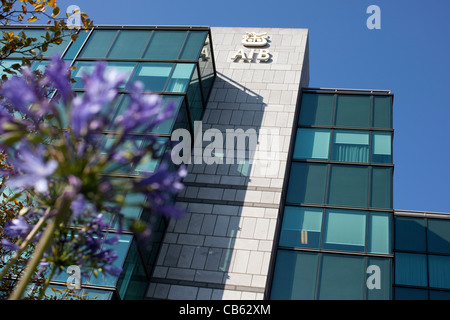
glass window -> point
(154, 75)
(349, 185)
(88, 67)
(438, 235)
(76, 46)
(383, 292)
(180, 77)
(129, 44)
(317, 109)
(353, 111)
(194, 43)
(382, 112)
(194, 98)
(206, 68)
(98, 44)
(149, 163)
(411, 269)
(381, 191)
(167, 125)
(439, 271)
(312, 144)
(351, 146)
(382, 147)
(410, 294)
(380, 233)
(410, 234)
(58, 48)
(342, 277)
(307, 183)
(165, 45)
(294, 276)
(121, 249)
(301, 227)
(345, 230)
(439, 295)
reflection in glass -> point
(351, 146)
(345, 230)
(312, 144)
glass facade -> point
(422, 257)
(175, 62)
(337, 215)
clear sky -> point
(409, 55)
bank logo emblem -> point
(253, 39)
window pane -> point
(206, 65)
(439, 271)
(165, 45)
(345, 230)
(439, 235)
(307, 183)
(382, 112)
(411, 269)
(348, 186)
(167, 125)
(301, 227)
(342, 278)
(180, 77)
(439, 295)
(312, 144)
(194, 98)
(317, 109)
(294, 276)
(351, 146)
(75, 46)
(410, 234)
(382, 147)
(410, 294)
(353, 111)
(98, 44)
(88, 67)
(194, 43)
(380, 233)
(383, 292)
(129, 44)
(154, 75)
(381, 188)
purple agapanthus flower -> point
(57, 76)
(17, 227)
(30, 168)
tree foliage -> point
(13, 12)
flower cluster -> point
(63, 167)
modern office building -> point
(290, 188)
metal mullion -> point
(186, 36)
(147, 44)
(82, 47)
(111, 45)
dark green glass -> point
(193, 46)
(165, 45)
(316, 109)
(410, 234)
(438, 236)
(129, 44)
(307, 183)
(353, 111)
(98, 44)
(382, 112)
(349, 186)
(381, 191)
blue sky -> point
(409, 55)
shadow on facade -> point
(199, 258)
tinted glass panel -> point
(381, 188)
(312, 144)
(317, 109)
(410, 234)
(439, 235)
(353, 111)
(382, 112)
(410, 294)
(345, 230)
(380, 233)
(180, 77)
(382, 147)
(307, 183)
(98, 44)
(294, 276)
(154, 75)
(342, 277)
(193, 45)
(411, 269)
(165, 45)
(194, 96)
(439, 271)
(76, 46)
(88, 67)
(383, 290)
(351, 146)
(301, 227)
(129, 44)
(348, 186)
(439, 295)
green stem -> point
(46, 283)
(23, 246)
(40, 249)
